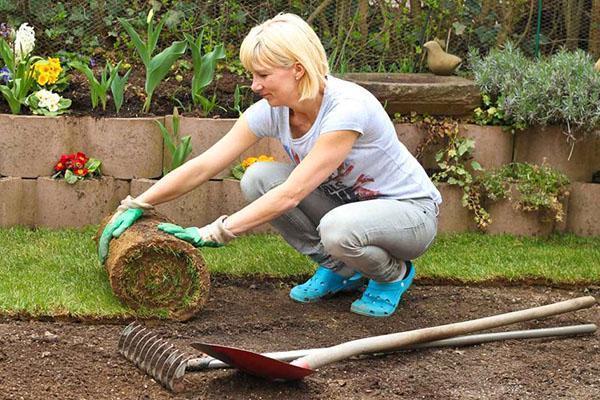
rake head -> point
(154, 355)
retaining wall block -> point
(202, 205)
(17, 205)
(549, 145)
(128, 147)
(205, 132)
(61, 205)
(31, 145)
(583, 217)
(453, 216)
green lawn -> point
(45, 272)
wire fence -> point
(359, 35)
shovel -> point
(272, 369)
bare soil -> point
(79, 360)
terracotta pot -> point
(202, 205)
(17, 202)
(205, 132)
(583, 217)
(549, 145)
(453, 216)
(61, 205)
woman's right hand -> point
(115, 229)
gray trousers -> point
(372, 237)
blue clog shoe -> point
(381, 299)
(325, 283)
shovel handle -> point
(384, 343)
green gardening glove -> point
(116, 228)
(191, 235)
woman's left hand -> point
(212, 235)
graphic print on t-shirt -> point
(336, 184)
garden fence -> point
(359, 35)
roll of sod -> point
(155, 273)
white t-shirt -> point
(378, 166)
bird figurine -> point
(438, 61)
(597, 65)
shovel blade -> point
(254, 363)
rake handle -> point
(384, 343)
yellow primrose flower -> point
(42, 79)
(42, 67)
(249, 161)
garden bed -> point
(82, 360)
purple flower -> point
(4, 30)
(5, 75)
(92, 62)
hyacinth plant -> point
(17, 72)
(158, 66)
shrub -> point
(563, 89)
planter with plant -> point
(524, 199)
(455, 179)
(425, 136)
(556, 98)
(77, 194)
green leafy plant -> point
(179, 149)
(98, 88)
(16, 89)
(457, 167)
(539, 187)
(45, 102)
(238, 170)
(75, 167)
(563, 89)
(117, 86)
(158, 66)
(237, 100)
(204, 70)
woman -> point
(354, 199)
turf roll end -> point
(155, 273)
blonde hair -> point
(282, 41)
